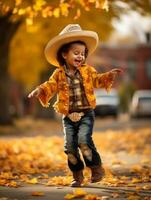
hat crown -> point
(70, 28)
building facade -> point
(134, 59)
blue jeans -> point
(75, 135)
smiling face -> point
(75, 56)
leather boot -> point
(98, 173)
(78, 178)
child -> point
(74, 82)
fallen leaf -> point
(37, 194)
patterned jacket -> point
(57, 83)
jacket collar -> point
(62, 68)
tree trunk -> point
(7, 31)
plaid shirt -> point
(57, 83)
(77, 99)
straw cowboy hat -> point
(70, 33)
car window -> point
(145, 99)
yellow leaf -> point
(38, 5)
(79, 192)
(32, 181)
(92, 197)
(29, 21)
(76, 193)
(138, 188)
(12, 184)
(47, 12)
(69, 196)
(21, 11)
(136, 180)
(37, 194)
(64, 9)
(56, 12)
(147, 187)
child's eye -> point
(77, 53)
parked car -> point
(107, 104)
(141, 104)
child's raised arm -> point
(104, 80)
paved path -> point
(58, 193)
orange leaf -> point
(79, 192)
(69, 196)
(37, 194)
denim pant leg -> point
(71, 143)
(85, 137)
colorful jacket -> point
(57, 83)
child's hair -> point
(65, 48)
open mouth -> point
(78, 62)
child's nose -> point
(80, 56)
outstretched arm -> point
(104, 80)
(46, 91)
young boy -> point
(74, 82)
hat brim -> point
(90, 38)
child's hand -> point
(117, 70)
(35, 93)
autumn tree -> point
(13, 13)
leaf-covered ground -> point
(126, 156)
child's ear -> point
(64, 55)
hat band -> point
(71, 29)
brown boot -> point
(97, 173)
(78, 178)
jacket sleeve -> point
(103, 80)
(49, 88)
